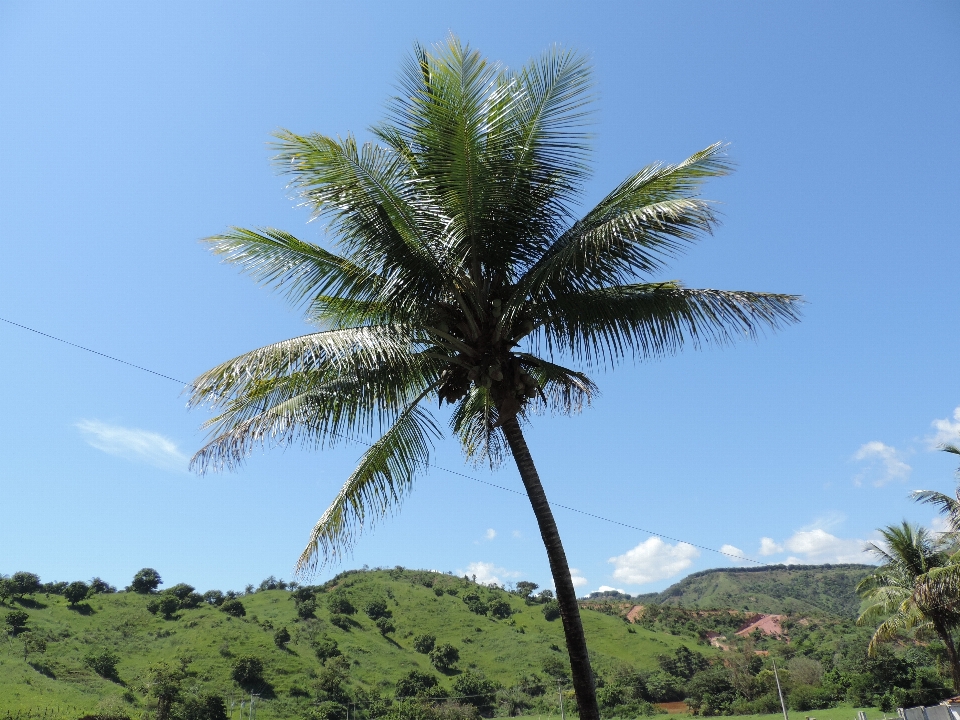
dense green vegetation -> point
(366, 638)
(321, 645)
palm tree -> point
(905, 594)
(462, 277)
(947, 505)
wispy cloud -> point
(578, 579)
(653, 560)
(769, 547)
(490, 534)
(732, 550)
(487, 573)
(947, 431)
(817, 546)
(882, 464)
(607, 588)
(133, 444)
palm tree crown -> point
(462, 276)
(904, 594)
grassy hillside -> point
(803, 589)
(208, 642)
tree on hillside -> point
(25, 583)
(463, 278)
(903, 597)
(75, 592)
(145, 581)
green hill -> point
(801, 589)
(208, 642)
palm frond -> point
(378, 484)
(301, 270)
(649, 218)
(654, 319)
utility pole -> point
(776, 675)
(560, 693)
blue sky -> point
(130, 131)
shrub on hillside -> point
(281, 637)
(16, 621)
(338, 604)
(191, 601)
(327, 710)
(53, 588)
(444, 657)
(248, 670)
(6, 588)
(25, 583)
(416, 683)
(103, 663)
(438, 591)
(165, 605)
(145, 581)
(180, 590)
(499, 608)
(214, 597)
(473, 601)
(551, 610)
(524, 588)
(808, 697)
(98, 586)
(476, 689)
(424, 643)
(306, 609)
(341, 621)
(203, 707)
(325, 647)
(376, 608)
(76, 591)
(385, 625)
(233, 607)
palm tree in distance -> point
(463, 277)
(904, 594)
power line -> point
(436, 467)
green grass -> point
(211, 640)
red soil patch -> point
(674, 707)
(767, 624)
(635, 612)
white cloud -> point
(133, 444)
(607, 588)
(516, 534)
(946, 431)
(487, 573)
(732, 550)
(817, 546)
(578, 579)
(653, 560)
(940, 524)
(883, 464)
(769, 547)
(490, 534)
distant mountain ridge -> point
(819, 589)
(813, 589)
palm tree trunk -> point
(583, 684)
(947, 638)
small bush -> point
(499, 608)
(103, 663)
(325, 647)
(248, 670)
(204, 707)
(438, 591)
(338, 604)
(234, 607)
(551, 610)
(376, 609)
(281, 637)
(213, 597)
(341, 621)
(385, 625)
(191, 601)
(76, 591)
(145, 581)
(16, 620)
(306, 609)
(473, 601)
(180, 590)
(424, 643)
(444, 657)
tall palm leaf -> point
(907, 594)
(462, 276)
